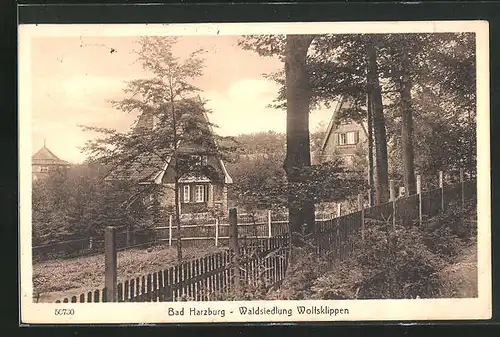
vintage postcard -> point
(278, 172)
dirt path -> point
(459, 280)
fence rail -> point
(336, 237)
(261, 264)
(197, 231)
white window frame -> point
(44, 169)
(200, 193)
(186, 191)
(342, 139)
(202, 160)
(349, 140)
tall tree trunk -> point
(407, 130)
(381, 165)
(176, 177)
(178, 219)
(298, 156)
(369, 109)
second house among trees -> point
(344, 139)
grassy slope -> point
(458, 276)
(56, 279)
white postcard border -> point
(433, 309)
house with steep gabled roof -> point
(342, 139)
(200, 191)
(44, 161)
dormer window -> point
(202, 160)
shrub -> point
(450, 232)
(394, 263)
(443, 241)
(463, 222)
(304, 269)
(342, 283)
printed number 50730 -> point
(61, 312)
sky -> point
(74, 78)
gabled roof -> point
(144, 169)
(46, 157)
(340, 105)
(227, 177)
(149, 167)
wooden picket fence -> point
(261, 264)
(336, 237)
(215, 231)
(197, 232)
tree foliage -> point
(440, 100)
(77, 204)
(174, 126)
(260, 181)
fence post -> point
(462, 187)
(392, 190)
(419, 192)
(370, 199)
(170, 230)
(361, 208)
(392, 198)
(90, 243)
(269, 223)
(442, 189)
(216, 231)
(339, 210)
(110, 273)
(233, 244)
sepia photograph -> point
(254, 172)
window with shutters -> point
(194, 193)
(186, 193)
(342, 138)
(351, 138)
(348, 138)
(200, 193)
